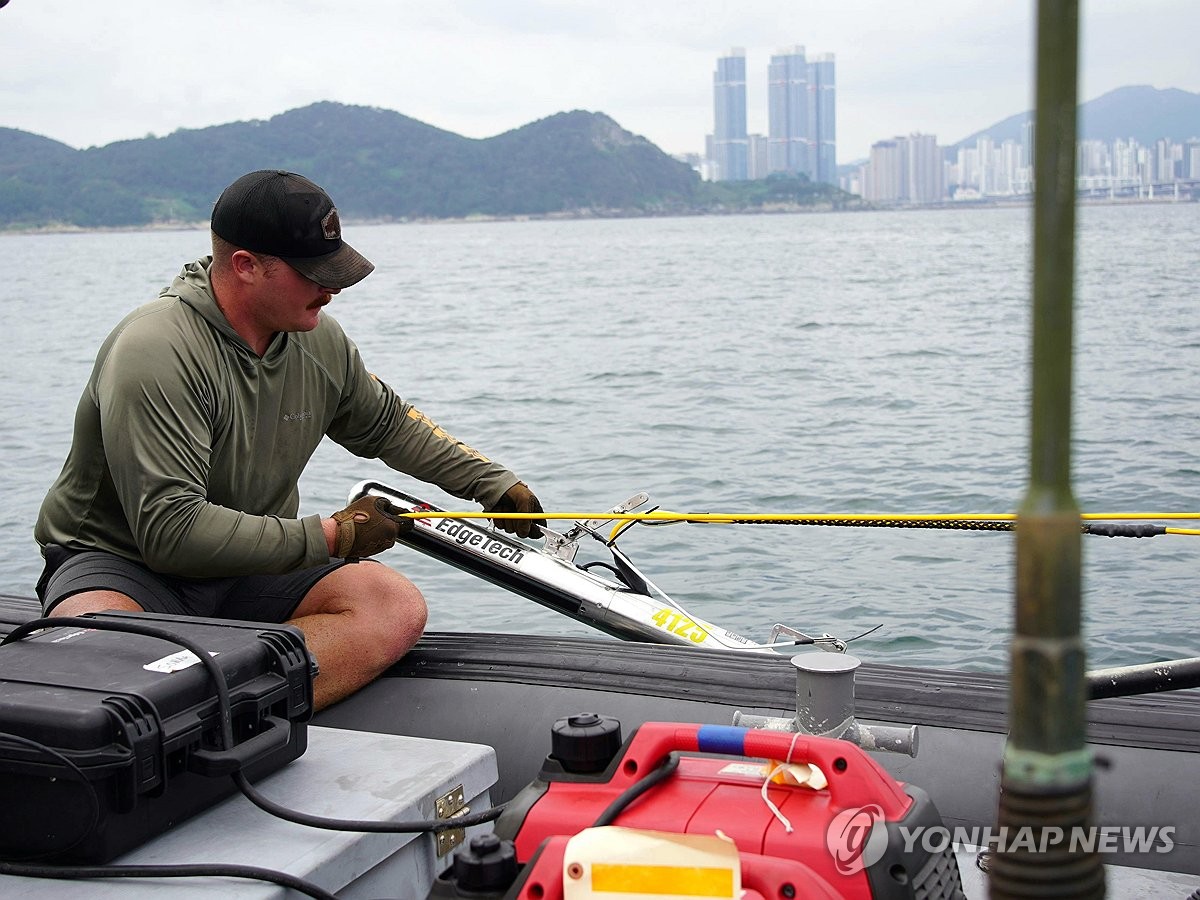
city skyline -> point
(915, 170)
(948, 67)
(801, 133)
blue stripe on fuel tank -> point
(721, 739)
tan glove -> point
(519, 499)
(368, 526)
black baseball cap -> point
(284, 214)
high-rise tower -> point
(729, 117)
(788, 145)
(822, 117)
(802, 130)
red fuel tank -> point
(848, 834)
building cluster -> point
(1125, 166)
(915, 170)
(801, 134)
(801, 139)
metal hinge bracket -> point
(448, 806)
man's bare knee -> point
(391, 609)
(95, 601)
(369, 590)
(358, 620)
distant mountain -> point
(1141, 112)
(377, 163)
(20, 148)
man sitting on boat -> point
(180, 491)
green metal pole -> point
(1046, 781)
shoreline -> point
(581, 215)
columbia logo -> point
(297, 416)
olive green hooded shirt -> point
(188, 447)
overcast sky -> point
(90, 72)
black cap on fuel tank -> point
(485, 864)
(585, 742)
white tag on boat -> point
(750, 770)
(176, 662)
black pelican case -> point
(109, 738)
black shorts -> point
(252, 598)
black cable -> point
(181, 871)
(635, 790)
(864, 634)
(67, 762)
(224, 706)
(226, 720)
(951, 524)
(225, 717)
(601, 564)
(374, 827)
(226, 727)
(1134, 530)
(1126, 529)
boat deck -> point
(506, 690)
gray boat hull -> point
(506, 691)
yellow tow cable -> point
(668, 516)
(980, 521)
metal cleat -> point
(825, 707)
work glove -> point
(368, 526)
(519, 499)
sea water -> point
(870, 362)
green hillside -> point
(377, 164)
